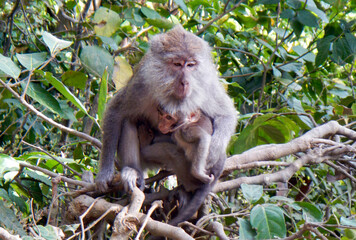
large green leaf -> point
(310, 212)
(7, 163)
(245, 230)
(268, 220)
(9, 67)
(75, 79)
(106, 22)
(9, 220)
(96, 60)
(64, 91)
(307, 18)
(323, 46)
(54, 44)
(160, 23)
(268, 128)
(32, 61)
(48, 232)
(42, 96)
(252, 193)
(341, 52)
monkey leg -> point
(200, 155)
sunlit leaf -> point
(106, 21)
(9, 67)
(122, 72)
(75, 79)
(102, 60)
(32, 60)
(252, 193)
(55, 44)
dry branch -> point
(311, 145)
(83, 202)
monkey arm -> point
(224, 127)
(129, 153)
(111, 134)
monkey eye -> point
(177, 64)
(191, 63)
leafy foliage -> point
(289, 65)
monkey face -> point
(183, 69)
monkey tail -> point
(190, 206)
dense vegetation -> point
(289, 66)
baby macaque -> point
(192, 133)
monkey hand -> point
(131, 177)
(203, 177)
(103, 179)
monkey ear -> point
(194, 116)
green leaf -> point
(321, 14)
(351, 40)
(160, 23)
(103, 95)
(323, 46)
(295, 4)
(309, 56)
(348, 222)
(288, 13)
(266, 2)
(296, 104)
(48, 232)
(133, 16)
(182, 5)
(96, 59)
(19, 202)
(245, 230)
(7, 163)
(252, 193)
(9, 220)
(297, 27)
(266, 129)
(307, 18)
(38, 176)
(295, 67)
(341, 52)
(64, 91)
(268, 220)
(42, 96)
(9, 67)
(54, 44)
(32, 61)
(75, 79)
(106, 21)
(149, 13)
(310, 212)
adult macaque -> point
(192, 133)
(178, 74)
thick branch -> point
(300, 144)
